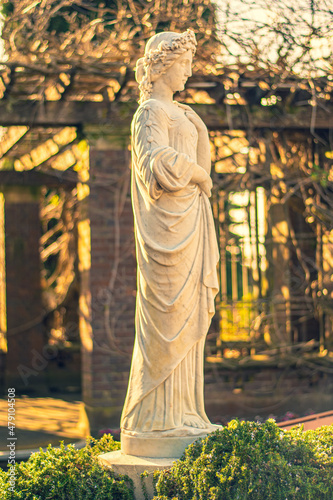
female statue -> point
(177, 255)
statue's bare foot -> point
(194, 421)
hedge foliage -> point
(243, 461)
(66, 473)
(253, 461)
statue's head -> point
(161, 52)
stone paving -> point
(40, 421)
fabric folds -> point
(177, 255)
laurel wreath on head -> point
(184, 41)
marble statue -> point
(177, 255)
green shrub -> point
(66, 473)
(253, 461)
(243, 461)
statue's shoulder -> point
(183, 106)
(152, 105)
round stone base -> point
(134, 467)
(161, 447)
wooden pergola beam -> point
(119, 115)
(65, 113)
(32, 178)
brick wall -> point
(108, 287)
(25, 342)
(261, 390)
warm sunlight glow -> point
(44, 418)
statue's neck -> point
(162, 92)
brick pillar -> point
(108, 280)
(25, 360)
(278, 253)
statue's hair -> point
(160, 53)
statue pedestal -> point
(139, 454)
(133, 467)
(157, 447)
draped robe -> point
(177, 255)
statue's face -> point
(177, 75)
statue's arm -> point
(203, 148)
(157, 161)
(203, 151)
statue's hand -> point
(202, 178)
(207, 186)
